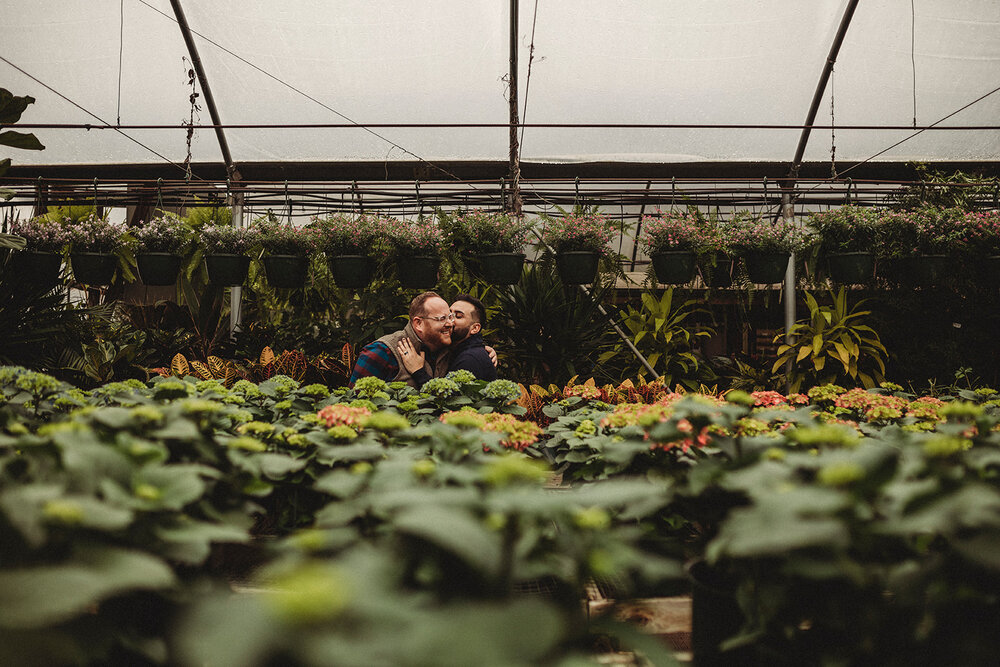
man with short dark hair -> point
(468, 351)
(428, 335)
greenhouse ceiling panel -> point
(749, 65)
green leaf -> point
(178, 429)
(190, 541)
(277, 466)
(23, 140)
(456, 531)
(45, 595)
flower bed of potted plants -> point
(286, 251)
(672, 240)
(764, 245)
(227, 252)
(493, 240)
(40, 262)
(349, 242)
(580, 239)
(94, 244)
(417, 248)
(848, 236)
(161, 244)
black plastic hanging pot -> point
(501, 268)
(766, 267)
(227, 270)
(286, 271)
(351, 271)
(93, 268)
(416, 272)
(577, 267)
(40, 269)
(851, 268)
(674, 266)
(158, 268)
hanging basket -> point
(420, 271)
(501, 268)
(715, 616)
(227, 270)
(286, 271)
(717, 271)
(158, 268)
(93, 268)
(40, 269)
(766, 267)
(993, 268)
(675, 266)
(351, 271)
(577, 267)
(851, 268)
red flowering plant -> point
(285, 239)
(982, 230)
(347, 234)
(414, 237)
(480, 232)
(749, 232)
(579, 231)
(674, 230)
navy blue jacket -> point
(471, 355)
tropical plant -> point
(847, 229)
(11, 108)
(675, 230)
(941, 189)
(580, 229)
(749, 232)
(41, 234)
(666, 335)
(835, 334)
(343, 234)
(96, 234)
(412, 237)
(479, 231)
(228, 239)
(165, 233)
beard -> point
(458, 334)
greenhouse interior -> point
(524, 332)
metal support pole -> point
(236, 293)
(515, 157)
(788, 215)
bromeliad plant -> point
(835, 344)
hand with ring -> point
(412, 360)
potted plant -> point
(94, 244)
(40, 261)
(160, 246)
(847, 236)
(227, 252)
(579, 240)
(349, 241)
(493, 239)
(286, 251)
(672, 239)
(983, 232)
(923, 242)
(764, 245)
(417, 244)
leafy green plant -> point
(835, 334)
(847, 229)
(166, 232)
(412, 237)
(665, 334)
(480, 231)
(580, 229)
(228, 240)
(675, 230)
(285, 239)
(749, 232)
(42, 234)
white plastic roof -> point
(439, 61)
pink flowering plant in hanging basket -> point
(165, 233)
(480, 232)
(349, 234)
(285, 239)
(749, 232)
(414, 237)
(674, 230)
(983, 232)
(228, 239)
(580, 231)
(41, 234)
(847, 228)
(96, 234)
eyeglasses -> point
(450, 317)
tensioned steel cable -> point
(92, 114)
(303, 93)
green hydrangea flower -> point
(245, 442)
(246, 388)
(386, 421)
(312, 593)
(440, 387)
(944, 446)
(169, 389)
(146, 414)
(840, 473)
(592, 518)
(586, 427)
(200, 406)
(210, 385)
(514, 468)
(315, 390)
(342, 432)
(461, 376)
(367, 386)
(502, 390)
(960, 410)
(363, 403)
(257, 428)
(409, 405)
